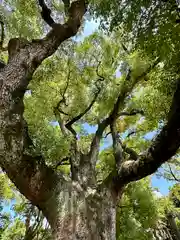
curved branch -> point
(161, 150)
(2, 34)
(78, 117)
(175, 178)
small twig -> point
(132, 113)
(58, 111)
(62, 162)
(2, 37)
(124, 48)
(132, 132)
(107, 134)
(2, 34)
(175, 178)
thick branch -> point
(131, 152)
(33, 178)
(117, 145)
(2, 34)
(161, 150)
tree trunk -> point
(173, 226)
(162, 232)
(83, 213)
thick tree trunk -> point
(83, 213)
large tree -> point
(77, 206)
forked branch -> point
(164, 146)
(114, 114)
(78, 117)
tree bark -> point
(84, 213)
(162, 232)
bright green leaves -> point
(15, 231)
(137, 212)
(22, 19)
(106, 164)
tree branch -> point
(101, 78)
(33, 178)
(114, 114)
(161, 150)
(46, 13)
(78, 117)
(2, 34)
(175, 178)
(130, 151)
(132, 113)
(117, 145)
(62, 162)
(57, 109)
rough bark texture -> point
(162, 232)
(88, 213)
(76, 208)
(166, 229)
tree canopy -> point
(79, 110)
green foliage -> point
(137, 212)
(14, 231)
(149, 30)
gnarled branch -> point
(161, 150)
(114, 114)
(33, 178)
